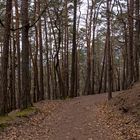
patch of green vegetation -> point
(5, 120)
(26, 112)
(63, 98)
(3, 126)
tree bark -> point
(109, 52)
(73, 92)
(5, 55)
(25, 97)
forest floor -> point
(122, 114)
(81, 118)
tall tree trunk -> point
(18, 54)
(87, 89)
(109, 52)
(125, 57)
(137, 40)
(5, 54)
(13, 95)
(74, 51)
(103, 68)
(41, 57)
(25, 97)
(66, 44)
(131, 46)
(47, 57)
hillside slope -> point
(122, 113)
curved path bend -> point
(72, 119)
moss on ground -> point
(26, 112)
(5, 120)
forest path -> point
(71, 119)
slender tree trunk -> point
(13, 105)
(103, 68)
(74, 51)
(137, 39)
(125, 63)
(109, 52)
(47, 57)
(87, 89)
(41, 57)
(66, 44)
(18, 54)
(131, 46)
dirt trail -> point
(72, 119)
